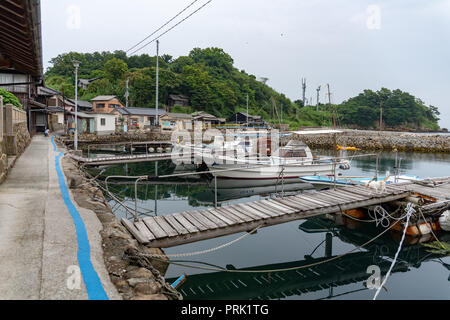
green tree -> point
(9, 98)
(115, 69)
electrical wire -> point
(165, 24)
(142, 47)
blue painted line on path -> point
(91, 279)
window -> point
(100, 105)
(102, 121)
(293, 153)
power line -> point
(165, 24)
(140, 48)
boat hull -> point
(270, 172)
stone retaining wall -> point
(3, 163)
(13, 145)
(138, 136)
(373, 140)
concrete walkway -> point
(38, 239)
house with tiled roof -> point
(106, 104)
(136, 117)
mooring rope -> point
(190, 254)
(431, 229)
(385, 215)
(272, 270)
(409, 211)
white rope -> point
(383, 220)
(385, 216)
(409, 211)
(190, 254)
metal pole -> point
(156, 200)
(126, 95)
(215, 192)
(334, 173)
(328, 253)
(247, 110)
(376, 168)
(76, 108)
(381, 116)
(318, 98)
(157, 82)
(135, 199)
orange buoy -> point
(419, 229)
(356, 213)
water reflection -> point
(310, 274)
(280, 246)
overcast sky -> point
(352, 45)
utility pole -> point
(318, 98)
(157, 82)
(381, 116)
(76, 64)
(64, 110)
(304, 91)
(127, 93)
(247, 110)
(334, 135)
(333, 113)
(281, 112)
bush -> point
(8, 97)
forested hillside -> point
(212, 83)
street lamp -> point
(76, 64)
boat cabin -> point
(295, 150)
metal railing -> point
(131, 144)
(281, 177)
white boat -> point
(288, 163)
(321, 182)
(234, 189)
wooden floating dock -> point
(191, 226)
(134, 143)
(100, 161)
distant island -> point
(208, 77)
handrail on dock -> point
(281, 176)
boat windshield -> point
(293, 153)
(295, 149)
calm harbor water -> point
(418, 273)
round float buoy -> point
(444, 221)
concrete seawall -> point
(383, 141)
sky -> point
(350, 45)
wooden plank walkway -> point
(440, 192)
(121, 159)
(191, 226)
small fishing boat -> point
(325, 181)
(288, 163)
